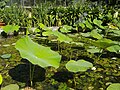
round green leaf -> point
(6, 56)
(114, 86)
(11, 87)
(77, 66)
(1, 79)
(37, 54)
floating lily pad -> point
(78, 66)
(114, 86)
(11, 87)
(6, 56)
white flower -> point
(93, 68)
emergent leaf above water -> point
(114, 86)
(10, 28)
(37, 54)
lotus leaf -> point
(117, 32)
(95, 34)
(94, 50)
(114, 48)
(85, 34)
(103, 43)
(44, 27)
(81, 25)
(6, 56)
(11, 28)
(77, 66)
(118, 24)
(66, 28)
(114, 86)
(88, 25)
(1, 79)
(98, 23)
(37, 54)
(11, 87)
(60, 37)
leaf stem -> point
(31, 73)
(100, 54)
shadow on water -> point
(21, 73)
(63, 76)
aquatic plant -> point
(78, 66)
(37, 54)
(114, 86)
(1, 79)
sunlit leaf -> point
(88, 25)
(66, 29)
(117, 32)
(42, 25)
(1, 79)
(6, 56)
(37, 54)
(10, 28)
(95, 34)
(81, 25)
(60, 37)
(78, 66)
(94, 50)
(11, 87)
(98, 23)
(114, 48)
(111, 26)
(85, 34)
(114, 86)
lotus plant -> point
(37, 54)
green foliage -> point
(60, 37)
(88, 25)
(1, 79)
(6, 56)
(37, 54)
(66, 29)
(98, 23)
(103, 43)
(114, 48)
(11, 87)
(114, 86)
(78, 66)
(11, 28)
(95, 34)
